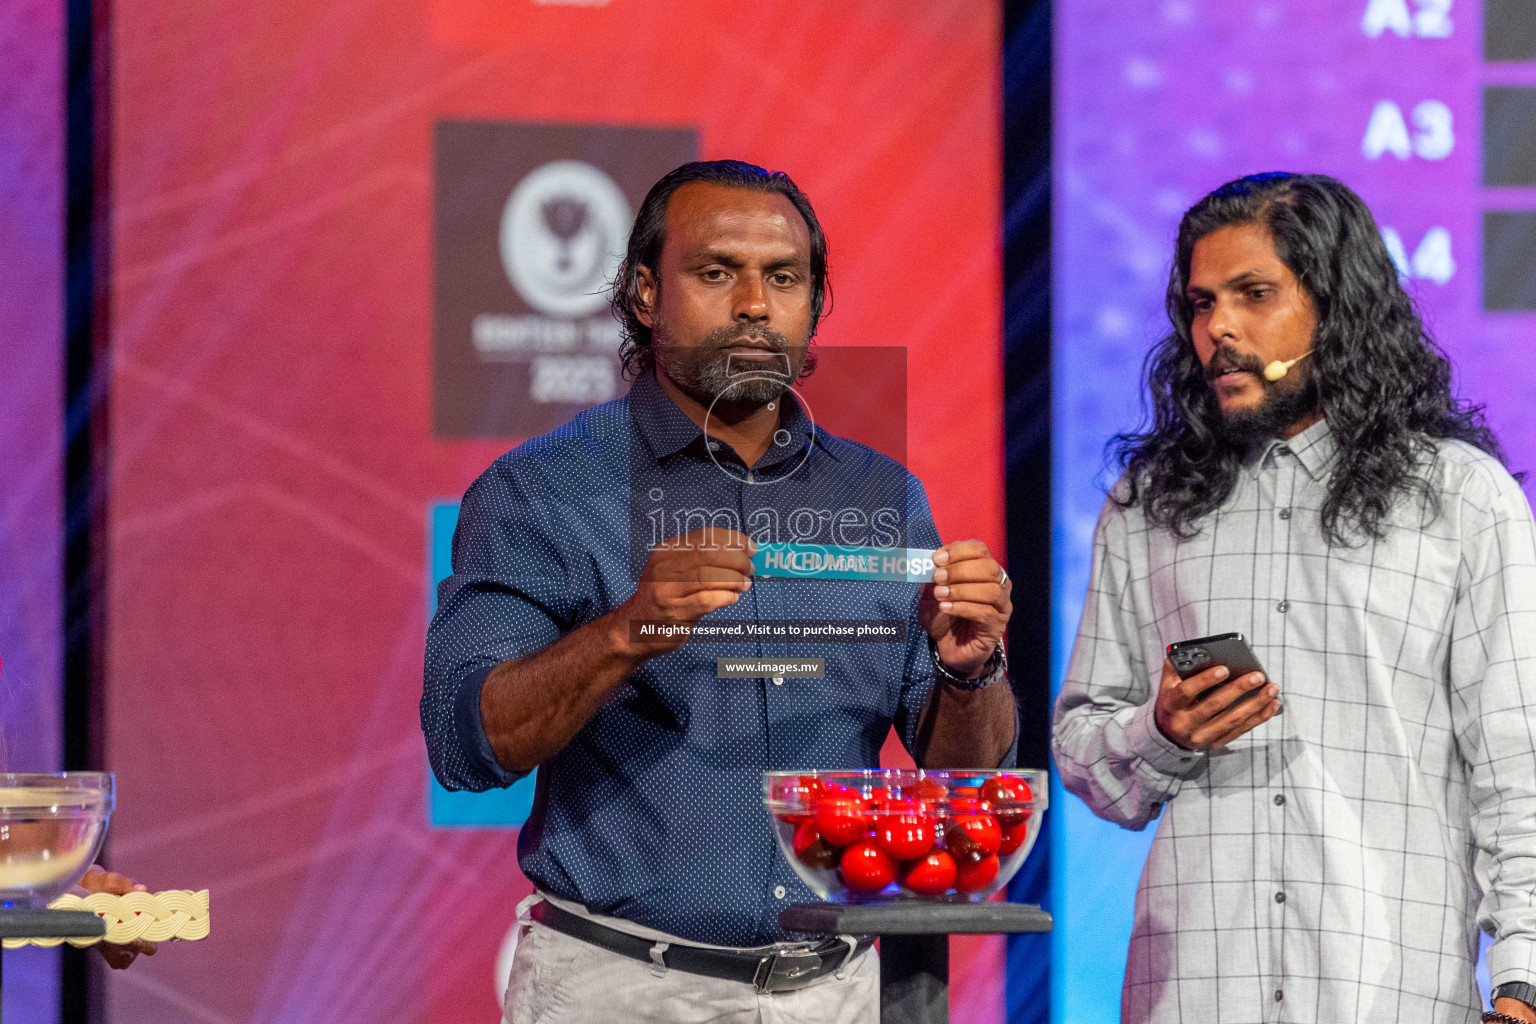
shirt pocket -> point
(1391, 600)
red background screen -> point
(273, 455)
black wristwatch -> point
(1523, 991)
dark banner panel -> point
(531, 221)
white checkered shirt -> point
(1334, 864)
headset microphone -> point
(1280, 367)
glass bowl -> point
(51, 828)
(885, 835)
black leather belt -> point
(771, 970)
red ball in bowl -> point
(932, 875)
(1004, 790)
(926, 790)
(801, 793)
(841, 819)
(1013, 838)
(903, 833)
(972, 837)
(812, 849)
(976, 877)
(867, 868)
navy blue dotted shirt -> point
(654, 811)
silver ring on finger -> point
(1004, 580)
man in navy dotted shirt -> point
(659, 883)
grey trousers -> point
(557, 979)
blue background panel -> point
(497, 808)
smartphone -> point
(1191, 657)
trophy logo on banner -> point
(562, 236)
(532, 221)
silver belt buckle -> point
(782, 972)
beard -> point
(706, 374)
(1284, 402)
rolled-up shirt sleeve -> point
(511, 594)
(1493, 684)
(1108, 747)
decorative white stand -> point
(155, 916)
(176, 914)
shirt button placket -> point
(1266, 584)
(1275, 873)
(1286, 483)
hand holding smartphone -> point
(1206, 699)
(1190, 657)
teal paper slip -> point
(826, 562)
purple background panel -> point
(1157, 104)
(31, 382)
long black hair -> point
(1382, 382)
(650, 233)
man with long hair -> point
(1308, 479)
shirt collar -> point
(663, 425)
(1314, 448)
(668, 430)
